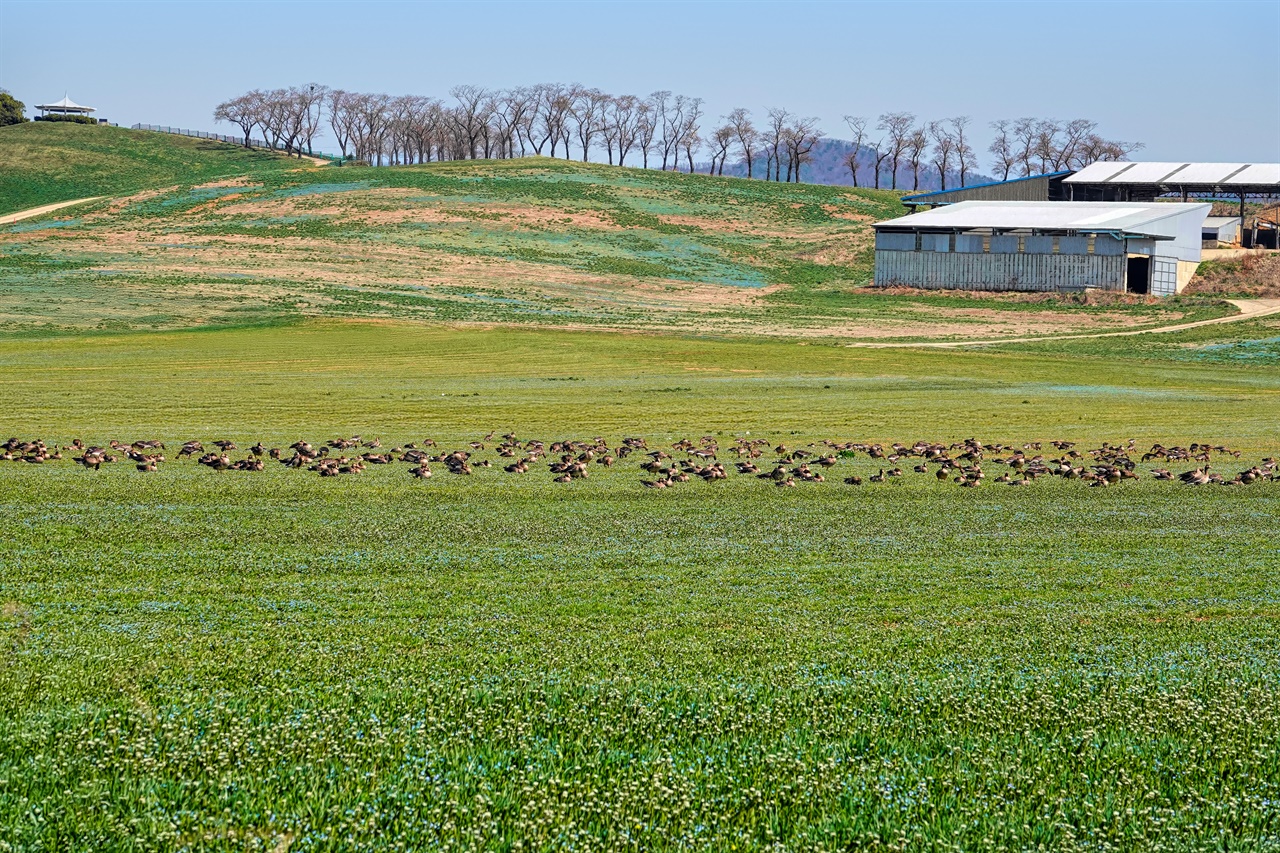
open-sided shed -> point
(1010, 245)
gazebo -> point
(64, 107)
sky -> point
(1191, 80)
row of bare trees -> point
(667, 130)
(1022, 147)
(663, 129)
(1030, 146)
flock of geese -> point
(961, 463)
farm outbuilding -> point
(1047, 187)
(1220, 229)
(1014, 245)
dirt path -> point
(1250, 309)
(39, 211)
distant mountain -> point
(829, 166)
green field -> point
(228, 660)
(203, 660)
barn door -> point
(1164, 276)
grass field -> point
(199, 660)
(243, 661)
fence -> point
(219, 137)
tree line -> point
(664, 130)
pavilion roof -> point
(67, 105)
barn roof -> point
(1114, 173)
(1081, 216)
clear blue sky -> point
(1193, 80)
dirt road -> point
(1250, 309)
(9, 218)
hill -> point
(533, 241)
(46, 162)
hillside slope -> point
(533, 242)
(46, 162)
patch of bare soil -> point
(1054, 321)
(838, 212)
(225, 183)
(1101, 298)
(1256, 276)
(119, 204)
(750, 228)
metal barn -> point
(1014, 245)
(1047, 187)
(1220, 230)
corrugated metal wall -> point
(1034, 189)
(961, 271)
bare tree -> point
(963, 150)
(720, 142)
(917, 145)
(898, 127)
(370, 126)
(879, 153)
(509, 116)
(1072, 136)
(622, 125)
(531, 125)
(311, 106)
(470, 116)
(1094, 148)
(1002, 148)
(800, 139)
(244, 111)
(745, 134)
(667, 120)
(342, 116)
(774, 138)
(587, 109)
(1047, 142)
(690, 140)
(646, 129)
(550, 118)
(1026, 136)
(944, 146)
(858, 125)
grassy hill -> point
(533, 241)
(46, 162)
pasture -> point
(203, 660)
(532, 242)
(271, 660)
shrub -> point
(73, 119)
(11, 110)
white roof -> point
(1217, 174)
(1129, 217)
(1219, 221)
(65, 104)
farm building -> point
(1046, 187)
(1112, 180)
(1149, 247)
(1219, 230)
